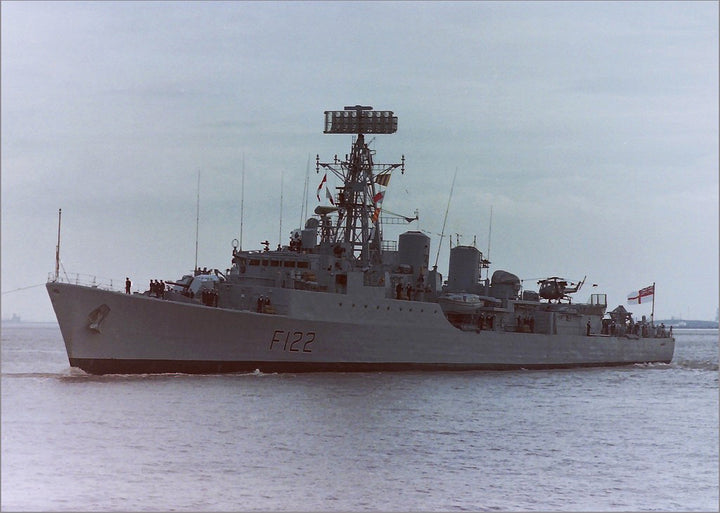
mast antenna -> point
(359, 199)
(242, 199)
(197, 220)
(442, 233)
(304, 206)
(282, 179)
(489, 238)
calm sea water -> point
(632, 438)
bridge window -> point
(598, 299)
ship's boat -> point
(339, 297)
(465, 304)
(458, 303)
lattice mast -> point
(359, 198)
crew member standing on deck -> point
(127, 285)
(587, 328)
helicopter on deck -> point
(558, 288)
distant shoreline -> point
(683, 324)
(11, 322)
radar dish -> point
(321, 209)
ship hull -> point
(110, 332)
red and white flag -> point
(321, 186)
(641, 296)
(377, 201)
(378, 198)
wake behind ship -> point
(338, 297)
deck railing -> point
(88, 280)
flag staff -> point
(652, 311)
(57, 248)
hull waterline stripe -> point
(114, 366)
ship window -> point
(254, 261)
(303, 265)
(289, 263)
(265, 262)
(274, 263)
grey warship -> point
(339, 298)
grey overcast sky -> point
(590, 128)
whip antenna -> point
(303, 207)
(442, 233)
(242, 199)
(197, 220)
(489, 238)
(282, 178)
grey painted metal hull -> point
(111, 332)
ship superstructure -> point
(338, 297)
